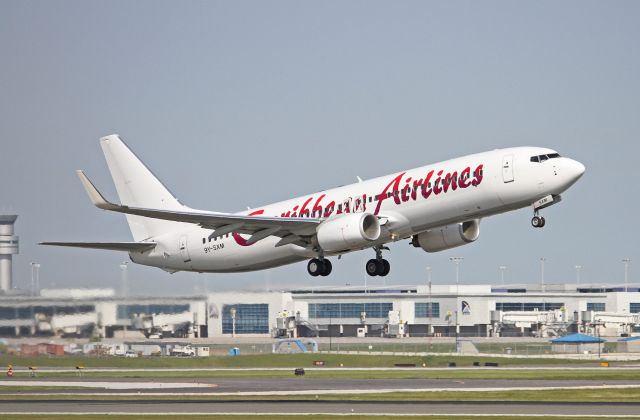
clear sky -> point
(236, 104)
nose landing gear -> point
(378, 266)
(537, 221)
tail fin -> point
(138, 187)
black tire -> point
(326, 268)
(386, 267)
(543, 222)
(372, 267)
(314, 267)
(536, 222)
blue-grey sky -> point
(236, 104)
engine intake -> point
(348, 231)
(448, 237)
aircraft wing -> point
(290, 229)
(114, 246)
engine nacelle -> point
(348, 231)
(447, 237)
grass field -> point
(273, 360)
(458, 374)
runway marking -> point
(307, 391)
(109, 385)
(279, 414)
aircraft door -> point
(184, 251)
(507, 168)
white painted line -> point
(326, 415)
(322, 391)
(108, 385)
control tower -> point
(8, 247)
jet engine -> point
(348, 231)
(447, 237)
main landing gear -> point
(537, 221)
(378, 266)
(319, 267)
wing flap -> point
(113, 246)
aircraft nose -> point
(574, 169)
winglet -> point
(95, 196)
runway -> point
(266, 386)
(181, 407)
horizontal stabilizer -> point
(113, 246)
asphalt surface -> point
(181, 407)
(302, 384)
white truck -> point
(184, 351)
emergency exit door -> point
(507, 168)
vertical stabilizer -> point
(138, 187)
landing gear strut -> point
(378, 266)
(319, 267)
(537, 221)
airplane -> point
(436, 207)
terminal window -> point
(349, 310)
(250, 319)
(528, 306)
(634, 308)
(422, 310)
(127, 311)
(27, 312)
(596, 306)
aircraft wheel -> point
(372, 267)
(386, 267)
(537, 222)
(326, 268)
(314, 267)
(543, 221)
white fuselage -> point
(407, 203)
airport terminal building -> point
(394, 311)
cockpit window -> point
(542, 158)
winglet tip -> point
(94, 195)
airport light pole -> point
(124, 279)
(626, 262)
(578, 268)
(456, 261)
(430, 310)
(35, 277)
(598, 323)
(542, 260)
(232, 312)
(502, 269)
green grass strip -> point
(453, 373)
(274, 360)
